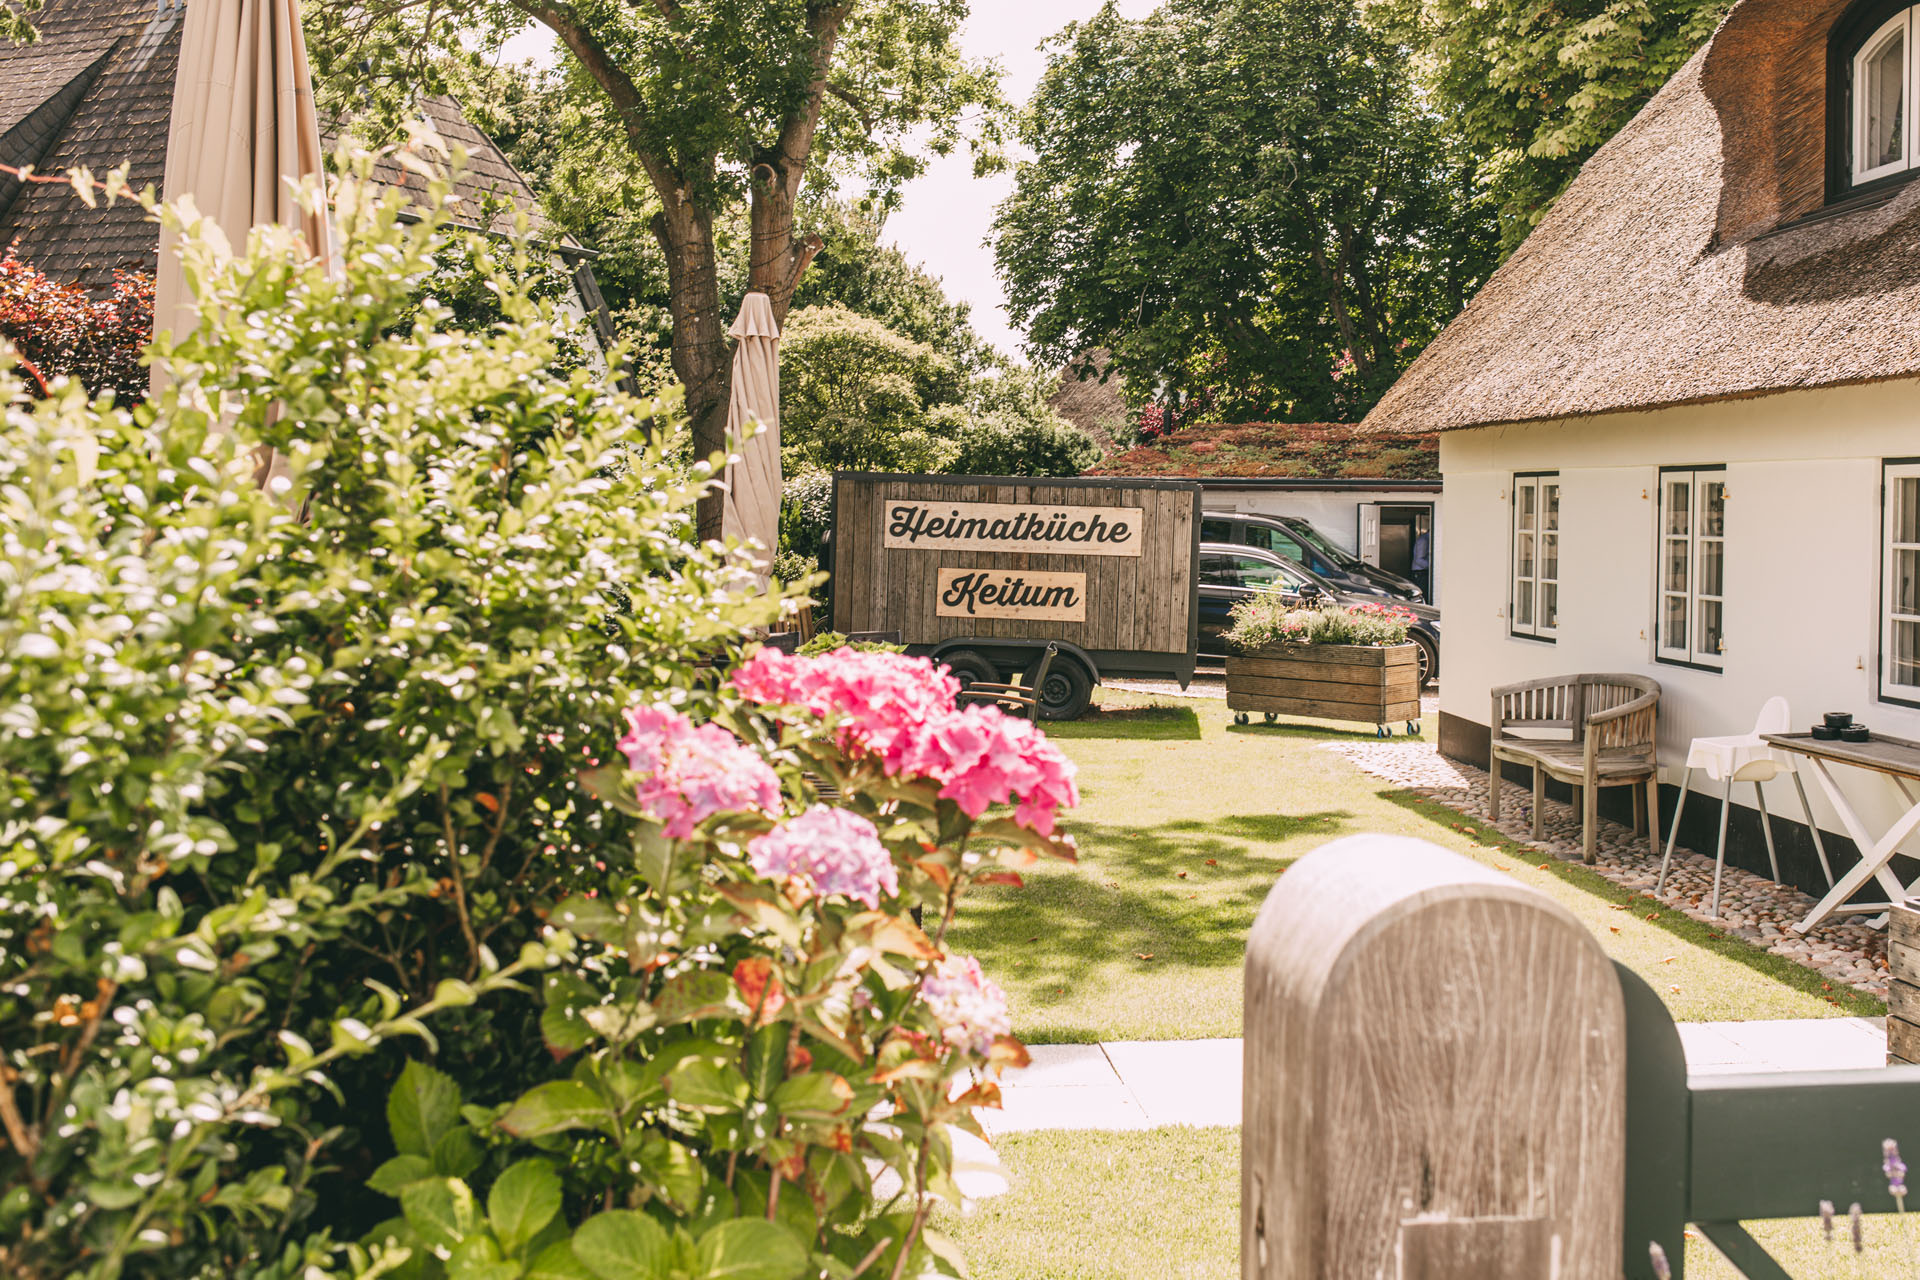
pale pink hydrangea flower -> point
(691, 772)
(833, 851)
(969, 1006)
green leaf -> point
(554, 1106)
(440, 1210)
(703, 993)
(561, 1024)
(750, 1249)
(700, 1085)
(623, 1245)
(396, 1174)
(478, 1258)
(818, 1095)
(591, 918)
(557, 1262)
(422, 1109)
(457, 1154)
(523, 1200)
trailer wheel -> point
(1068, 690)
(970, 667)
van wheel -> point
(1067, 692)
(1429, 658)
(970, 667)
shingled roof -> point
(96, 89)
(1694, 258)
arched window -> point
(1874, 82)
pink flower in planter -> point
(691, 772)
(833, 851)
(970, 1007)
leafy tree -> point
(58, 329)
(853, 394)
(1536, 88)
(716, 104)
(1239, 197)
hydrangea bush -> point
(401, 872)
(1269, 619)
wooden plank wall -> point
(1903, 986)
(1133, 602)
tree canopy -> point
(1535, 89)
(1246, 200)
(718, 106)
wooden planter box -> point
(1367, 684)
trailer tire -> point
(970, 667)
(1067, 692)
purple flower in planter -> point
(1826, 1220)
(1857, 1225)
(1896, 1170)
(1662, 1269)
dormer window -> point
(1875, 81)
(1882, 85)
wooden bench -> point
(1610, 722)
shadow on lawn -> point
(1127, 899)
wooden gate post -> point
(1435, 1076)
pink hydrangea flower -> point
(901, 710)
(691, 772)
(833, 851)
(969, 1006)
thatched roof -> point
(1693, 259)
(96, 89)
(1280, 450)
(1094, 403)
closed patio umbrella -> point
(752, 508)
(243, 126)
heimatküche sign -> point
(1000, 593)
(920, 525)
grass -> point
(1186, 822)
(1166, 1203)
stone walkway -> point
(1842, 949)
(1145, 1084)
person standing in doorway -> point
(1422, 563)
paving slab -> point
(1195, 1082)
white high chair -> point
(1744, 757)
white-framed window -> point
(1533, 606)
(1900, 583)
(1690, 612)
(1880, 98)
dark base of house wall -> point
(1466, 741)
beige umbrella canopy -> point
(243, 127)
(752, 508)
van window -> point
(1216, 531)
(1268, 538)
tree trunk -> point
(700, 357)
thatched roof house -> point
(1688, 408)
(96, 90)
(1709, 251)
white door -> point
(1370, 532)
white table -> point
(1895, 758)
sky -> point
(946, 213)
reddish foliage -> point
(60, 329)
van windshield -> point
(1319, 542)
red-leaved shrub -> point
(61, 329)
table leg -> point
(1819, 845)
(1875, 854)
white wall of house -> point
(1335, 512)
(1803, 563)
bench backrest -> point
(1567, 702)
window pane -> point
(1679, 507)
(1904, 493)
(1549, 604)
(1549, 555)
(1676, 579)
(1906, 582)
(1712, 568)
(1713, 508)
(1673, 626)
(1905, 667)
(1550, 501)
(1523, 558)
(1710, 632)
(1523, 504)
(1883, 92)
(1523, 604)
(1216, 531)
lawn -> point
(1184, 825)
(1166, 1203)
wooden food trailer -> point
(983, 572)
